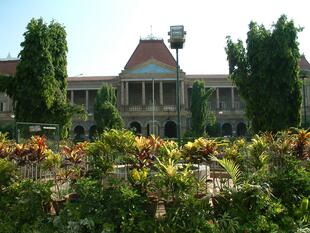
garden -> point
(127, 183)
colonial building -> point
(146, 93)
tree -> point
(58, 49)
(199, 108)
(39, 88)
(106, 114)
(266, 74)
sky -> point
(102, 34)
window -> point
(209, 106)
(222, 105)
(2, 107)
(237, 105)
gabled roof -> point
(148, 49)
(8, 67)
(91, 78)
(304, 64)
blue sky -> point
(102, 34)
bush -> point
(25, 206)
(7, 173)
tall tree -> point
(39, 88)
(266, 74)
(199, 108)
(58, 49)
(106, 114)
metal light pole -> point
(178, 100)
(177, 39)
(153, 109)
(13, 127)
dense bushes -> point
(87, 192)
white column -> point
(161, 94)
(86, 100)
(9, 102)
(217, 98)
(127, 94)
(122, 93)
(182, 93)
(143, 93)
(232, 98)
(72, 96)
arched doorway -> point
(79, 133)
(241, 129)
(92, 132)
(226, 129)
(170, 129)
(135, 127)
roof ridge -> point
(153, 48)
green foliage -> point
(200, 150)
(252, 206)
(231, 168)
(35, 84)
(191, 215)
(3, 137)
(110, 147)
(6, 84)
(7, 173)
(109, 117)
(58, 50)
(199, 109)
(106, 114)
(266, 74)
(272, 196)
(303, 211)
(291, 183)
(7, 129)
(39, 87)
(214, 130)
(24, 206)
(118, 208)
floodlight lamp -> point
(177, 36)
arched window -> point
(226, 129)
(79, 133)
(241, 129)
(135, 127)
(92, 132)
(170, 129)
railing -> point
(34, 172)
(168, 108)
(134, 108)
(150, 108)
(212, 174)
(227, 106)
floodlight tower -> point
(177, 39)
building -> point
(146, 93)
(7, 67)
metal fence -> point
(25, 130)
(212, 174)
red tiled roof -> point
(148, 49)
(207, 76)
(304, 64)
(8, 67)
(91, 78)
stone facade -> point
(146, 95)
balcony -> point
(149, 108)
